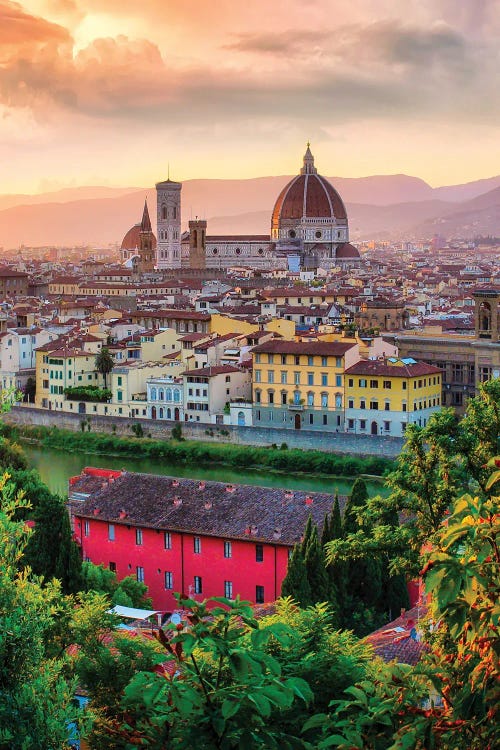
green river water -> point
(56, 467)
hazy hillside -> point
(378, 206)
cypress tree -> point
(394, 589)
(307, 536)
(357, 500)
(336, 520)
(296, 583)
(337, 571)
(316, 569)
(326, 531)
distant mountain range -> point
(381, 206)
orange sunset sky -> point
(109, 91)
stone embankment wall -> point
(366, 445)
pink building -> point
(199, 538)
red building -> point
(198, 538)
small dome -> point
(347, 251)
(131, 239)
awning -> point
(131, 613)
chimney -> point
(309, 500)
(123, 513)
(201, 485)
(175, 482)
(97, 511)
(177, 501)
(230, 488)
(208, 504)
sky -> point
(116, 92)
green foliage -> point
(12, 455)
(50, 551)
(128, 591)
(316, 569)
(104, 363)
(178, 450)
(295, 583)
(137, 429)
(36, 696)
(227, 688)
(177, 431)
(88, 393)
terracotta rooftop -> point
(209, 508)
(401, 370)
(398, 639)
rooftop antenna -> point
(168, 170)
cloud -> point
(18, 28)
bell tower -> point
(146, 252)
(168, 216)
(197, 244)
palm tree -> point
(104, 362)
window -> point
(259, 553)
(310, 399)
(404, 385)
(283, 359)
(228, 589)
(197, 545)
(362, 382)
(283, 398)
(310, 378)
(386, 384)
(86, 528)
(362, 424)
(167, 540)
(139, 574)
(138, 536)
(351, 382)
(311, 418)
(362, 403)
(350, 403)
(228, 549)
(257, 397)
(387, 406)
(387, 426)
(283, 377)
(324, 362)
(296, 378)
(169, 580)
(373, 404)
(119, 380)
(270, 359)
(257, 359)
(373, 383)
(270, 397)
(257, 376)
(112, 566)
(325, 419)
(270, 376)
(259, 594)
(338, 380)
(324, 400)
(198, 585)
(111, 532)
(324, 378)
(350, 423)
(297, 360)
(310, 361)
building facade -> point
(383, 396)
(300, 385)
(198, 538)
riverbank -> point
(200, 453)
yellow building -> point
(300, 384)
(60, 367)
(383, 396)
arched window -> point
(310, 398)
(296, 397)
(338, 401)
(177, 395)
(160, 394)
(175, 212)
(153, 394)
(168, 394)
(241, 418)
(324, 400)
(161, 413)
(195, 237)
(164, 213)
(169, 413)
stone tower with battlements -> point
(197, 244)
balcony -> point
(296, 405)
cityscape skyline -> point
(110, 93)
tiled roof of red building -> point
(381, 367)
(214, 509)
(323, 348)
(398, 639)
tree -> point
(35, 693)
(295, 583)
(316, 569)
(127, 592)
(355, 504)
(104, 363)
(450, 701)
(50, 551)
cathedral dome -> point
(131, 239)
(309, 195)
(346, 250)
